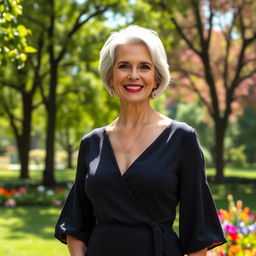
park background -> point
(51, 95)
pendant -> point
(127, 154)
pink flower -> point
(230, 229)
(10, 203)
(57, 203)
(22, 191)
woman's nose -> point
(134, 74)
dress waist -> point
(158, 230)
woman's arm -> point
(76, 247)
(199, 253)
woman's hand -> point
(199, 253)
(76, 247)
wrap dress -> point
(132, 214)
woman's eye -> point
(144, 67)
(123, 66)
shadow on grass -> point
(35, 221)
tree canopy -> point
(13, 36)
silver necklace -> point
(127, 152)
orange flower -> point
(5, 192)
(234, 248)
(239, 204)
(244, 216)
(224, 214)
(246, 209)
(60, 191)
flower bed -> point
(239, 226)
(38, 196)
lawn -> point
(28, 231)
(11, 177)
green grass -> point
(28, 231)
(11, 177)
(245, 173)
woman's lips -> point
(133, 87)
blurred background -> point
(51, 95)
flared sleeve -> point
(199, 226)
(77, 218)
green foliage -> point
(13, 36)
(240, 147)
(194, 115)
(246, 125)
(3, 139)
(86, 103)
(150, 15)
(159, 104)
(237, 156)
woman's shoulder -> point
(186, 133)
(95, 133)
(182, 127)
(176, 125)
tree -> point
(216, 58)
(17, 100)
(50, 18)
(13, 36)
(14, 49)
(85, 105)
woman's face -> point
(134, 75)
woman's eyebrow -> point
(122, 62)
(127, 62)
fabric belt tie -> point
(157, 231)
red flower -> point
(21, 190)
(233, 236)
(5, 192)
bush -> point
(38, 196)
(239, 226)
(237, 156)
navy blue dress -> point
(132, 214)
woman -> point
(132, 173)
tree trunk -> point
(23, 140)
(48, 175)
(220, 130)
(24, 160)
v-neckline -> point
(142, 153)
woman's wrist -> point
(76, 247)
(199, 253)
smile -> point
(133, 87)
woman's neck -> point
(132, 115)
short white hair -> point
(134, 34)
